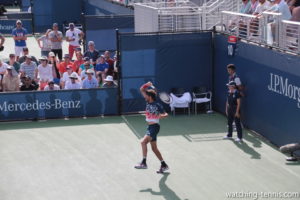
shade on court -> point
(93, 159)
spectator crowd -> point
(289, 9)
(55, 70)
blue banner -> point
(6, 26)
(58, 104)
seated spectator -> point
(29, 68)
(246, 6)
(63, 65)
(101, 69)
(25, 53)
(10, 81)
(3, 67)
(66, 76)
(12, 62)
(253, 5)
(110, 63)
(27, 85)
(92, 53)
(90, 81)
(55, 63)
(293, 4)
(83, 74)
(51, 86)
(109, 82)
(79, 61)
(281, 6)
(45, 72)
(45, 43)
(73, 84)
(296, 14)
(108, 59)
(262, 6)
(82, 66)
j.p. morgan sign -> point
(283, 86)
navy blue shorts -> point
(152, 131)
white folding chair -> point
(200, 96)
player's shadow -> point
(247, 149)
(256, 142)
(165, 191)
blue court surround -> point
(168, 60)
(102, 29)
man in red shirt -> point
(108, 59)
(62, 67)
(79, 61)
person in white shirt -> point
(45, 72)
(282, 7)
(90, 81)
(83, 73)
(73, 84)
(66, 76)
(262, 6)
(51, 86)
(3, 67)
(73, 36)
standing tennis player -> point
(154, 112)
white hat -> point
(89, 71)
(91, 43)
(9, 67)
(109, 78)
(51, 54)
(73, 75)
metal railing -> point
(267, 29)
(167, 16)
(289, 36)
(242, 25)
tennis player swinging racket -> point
(154, 112)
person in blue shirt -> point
(154, 112)
(233, 106)
(101, 69)
(19, 34)
(90, 81)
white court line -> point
(131, 127)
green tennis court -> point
(94, 158)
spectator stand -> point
(258, 30)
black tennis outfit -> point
(231, 110)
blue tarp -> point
(102, 30)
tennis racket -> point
(165, 97)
